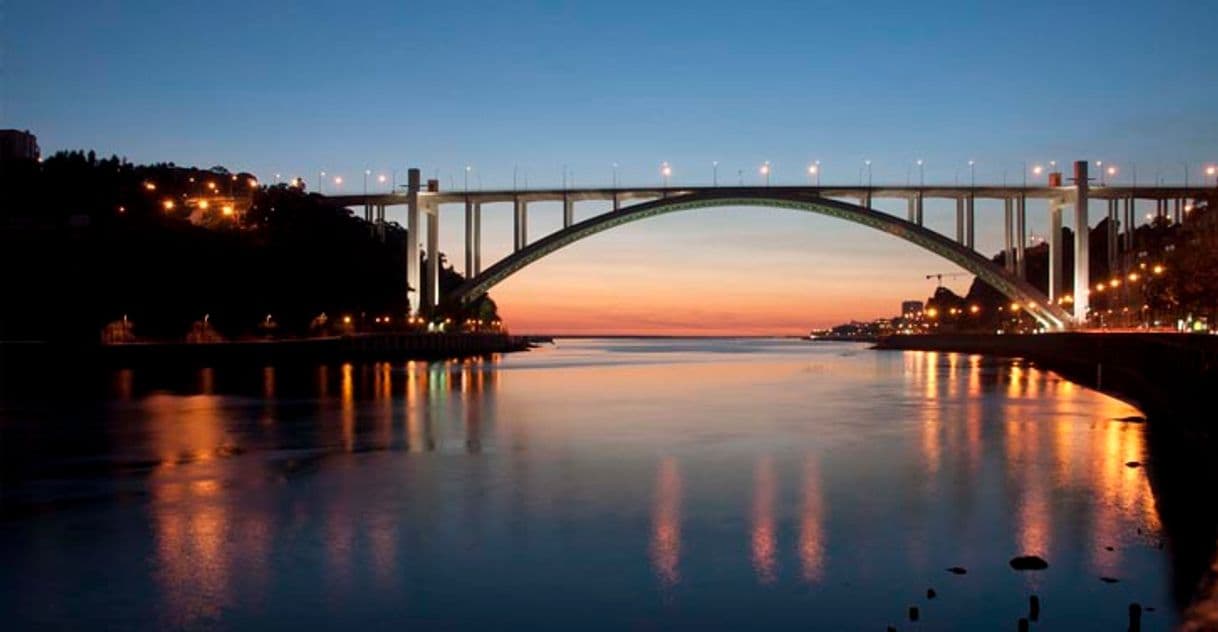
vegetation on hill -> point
(87, 242)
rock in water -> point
(1135, 617)
(1132, 464)
(1028, 563)
(958, 570)
(1023, 625)
(1109, 580)
(1034, 608)
(913, 613)
(930, 593)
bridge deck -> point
(624, 194)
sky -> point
(532, 87)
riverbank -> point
(1165, 375)
(381, 346)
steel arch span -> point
(1036, 303)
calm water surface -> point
(605, 484)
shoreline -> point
(391, 346)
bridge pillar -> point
(960, 220)
(1082, 241)
(412, 241)
(918, 219)
(616, 206)
(1179, 210)
(469, 238)
(477, 238)
(911, 210)
(433, 257)
(1055, 251)
(568, 211)
(1008, 250)
(520, 224)
(1113, 232)
(1130, 221)
(970, 229)
(1021, 236)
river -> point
(593, 484)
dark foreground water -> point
(598, 485)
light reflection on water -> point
(599, 484)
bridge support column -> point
(918, 219)
(1082, 241)
(1179, 210)
(1113, 232)
(616, 206)
(412, 241)
(568, 211)
(960, 220)
(1008, 237)
(521, 223)
(1130, 221)
(1021, 237)
(469, 238)
(911, 210)
(1055, 251)
(970, 228)
(433, 257)
(477, 238)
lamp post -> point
(868, 163)
(321, 179)
(1212, 171)
(467, 170)
(367, 172)
(972, 173)
(714, 173)
(765, 171)
(665, 172)
(814, 174)
(615, 175)
(921, 173)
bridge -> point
(850, 203)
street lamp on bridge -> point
(765, 171)
(1212, 171)
(665, 172)
(814, 172)
(868, 163)
(921, 173)
(714, 173)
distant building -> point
(18, 145)
(911, 309)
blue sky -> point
(292, 88)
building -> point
(18, 145)
(911, 309)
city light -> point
(1158, 269)
(203, 204)
(168, 204)
(227, 209)
(974, 309)
(665, 172)
(150, 186)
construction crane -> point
(938, 276)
